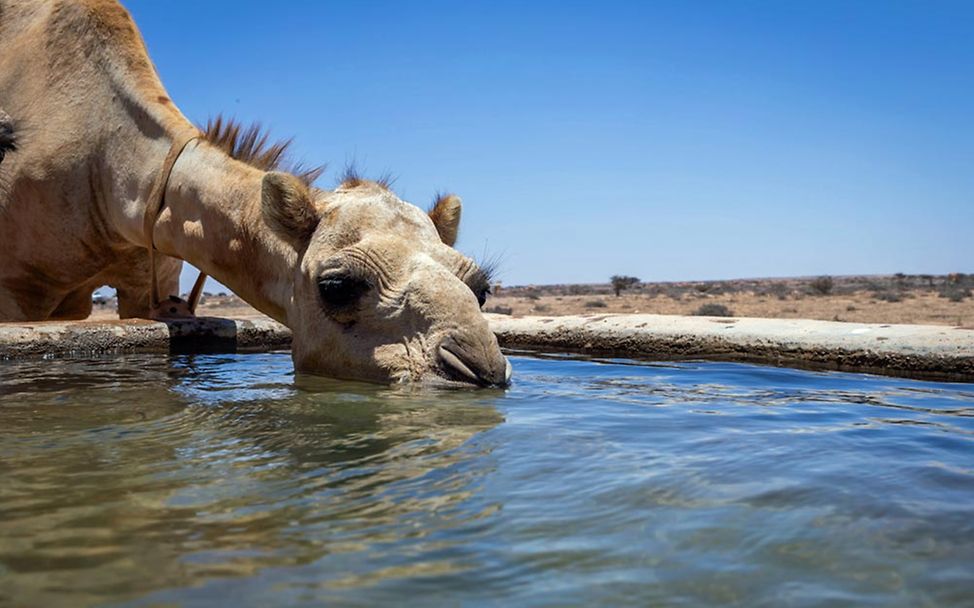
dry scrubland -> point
(922, 299)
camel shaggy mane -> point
(351, 178)
(252, 145)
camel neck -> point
(212, 219)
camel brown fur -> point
(363, 279)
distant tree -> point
(620, 283)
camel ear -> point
(285, 202)
(445, 214)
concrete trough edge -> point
(919, 351)
(203, 334)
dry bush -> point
(954, 293)
(674, 292)
(713, 310)
(822, 285)
(778, 290)
(596, 304)
(888, 296)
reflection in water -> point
(193, 480)
(170, 473)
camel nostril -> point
(472, 364)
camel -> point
(109, 183)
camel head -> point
(379, 292)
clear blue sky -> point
(667, 140)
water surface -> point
(224, 479)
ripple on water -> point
(192, 479)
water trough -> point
(920, 351)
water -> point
(226, 480)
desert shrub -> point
(955, 294)
(778, 290)
(595, 304)
(851, 308)
(621, 283)
(579, 290)
(542, 308)
(702, 287)
(822, 285)
(713, 310)
(888, 296)
(673, 291)
(500, 310)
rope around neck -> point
(154, 206)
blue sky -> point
(666, 140)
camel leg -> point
(134, 286)
(23, 299)
(75, 306)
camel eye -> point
(482, 294)
(479, 284)
(341, 291)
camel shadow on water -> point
(204, 335)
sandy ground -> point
(229, 307)
(771, 299)
(924, 308)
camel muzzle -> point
(469, 359)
